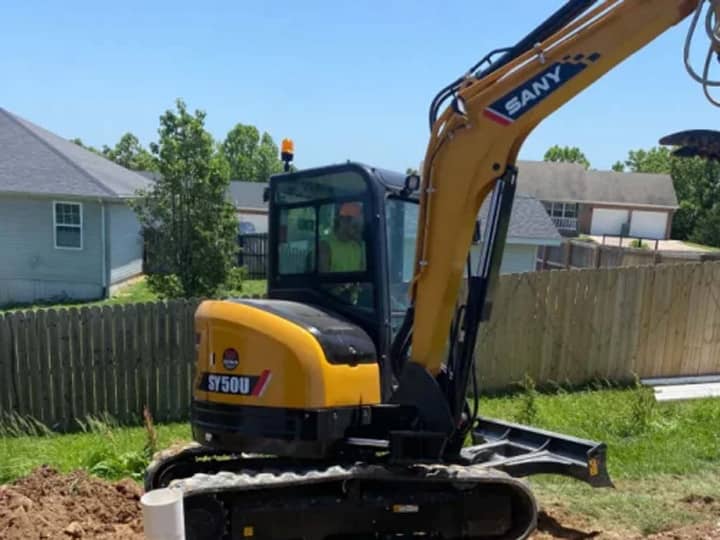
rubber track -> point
(274, 473)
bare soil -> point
(49, 505)
(556, 523)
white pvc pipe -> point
(163, 514)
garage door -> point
(608, 221)
(648, 224)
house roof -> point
(248, 194)
(529, 221)
(35, 161)
(570, 182)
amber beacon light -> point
(287, 151)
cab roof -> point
(391, 180)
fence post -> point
(568, 254)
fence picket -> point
(144, 356)
(134, 410)
(120, 361)
(33, 378)
(54, 370)
(163, 362)
(709, 314)
(86, 366)
(98, 369)
(152, 363)
(66, 371)
(7, 387)
(175, 314)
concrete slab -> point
(689, 379)
(678, 392)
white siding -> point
(648, 224)
(30, 266)
(608, 221)
(124, 243)
(517, 258)
(260, 221)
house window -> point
(561, 210)
(67, 219)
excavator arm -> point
(477, 139)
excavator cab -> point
(342, 238)
(297, 373)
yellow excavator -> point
(338, 406)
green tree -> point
(192, 225)
(618, 166)
(656, 160)
(129, 153)
(252, 157)
(567, 154)
(267, 162)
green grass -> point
(254, 286)
(660, 455)
(643, 437)
(638, 244)
(103, 448)
(585, 238)
(701, 247)
(137, 292)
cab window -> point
(401, 216)
(342, 238)
(322, 236)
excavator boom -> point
(477, 139)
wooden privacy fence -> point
(562, 326)
(59, 365)
(576, 254)
(575, 326)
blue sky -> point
(344, 79)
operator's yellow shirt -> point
(346, 255)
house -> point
(252, 210)
(530, 228)
(601, 202)
(66, 230)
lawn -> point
(663, 458)
(137, 292)
(701, 247)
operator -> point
(344, 249)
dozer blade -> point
(523, 451)
(291, 502)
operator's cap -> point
(350, 209)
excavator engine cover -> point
(279, 377)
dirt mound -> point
(50, 505)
